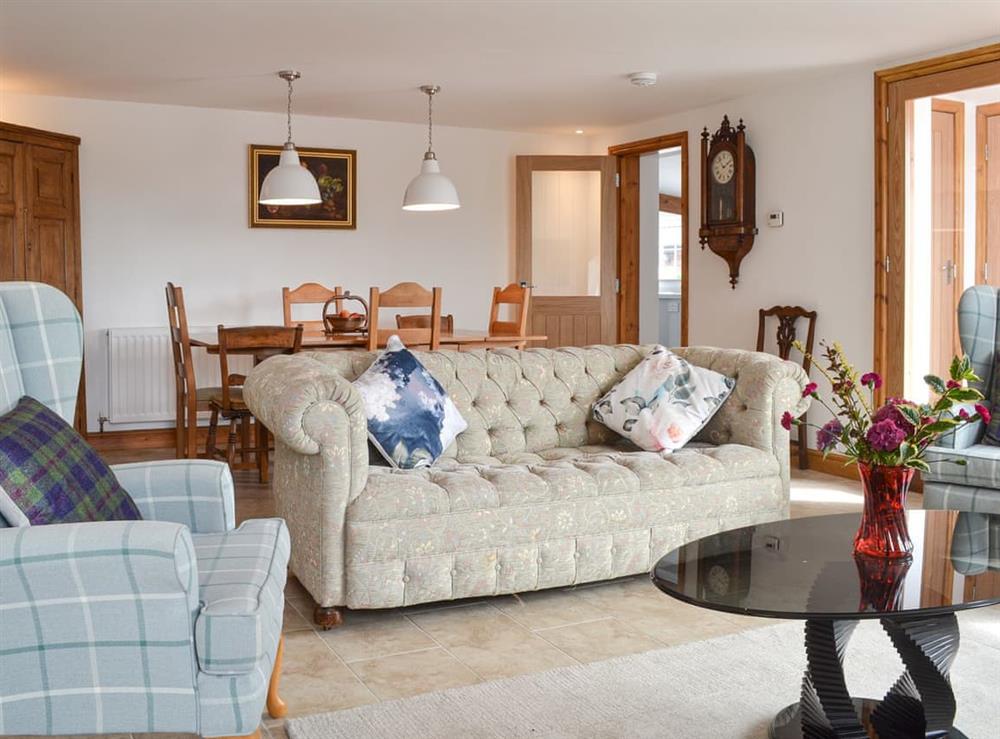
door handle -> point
(950, 272)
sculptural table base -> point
(919, 704)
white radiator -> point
(141, 373)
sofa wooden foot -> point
(276, 708)
(328, 617)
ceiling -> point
(536, 66)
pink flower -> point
(871, 380)
(963, 414)
(885, 436)
(953, 384)
(809, 389)
(829, 435)
(890, 412)
(984, 413)
(786, 421)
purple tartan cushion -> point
(52, 474)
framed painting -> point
(335, 171)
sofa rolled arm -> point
(195, 492)
(766, 387)
(126, 595)
(309, 406)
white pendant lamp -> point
(289, 183)
(430, 190)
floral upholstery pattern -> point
(533, 494)
(663, 401)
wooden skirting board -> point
(833, 464)
(116, 441)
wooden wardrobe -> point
(40, 214)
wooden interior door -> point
(12, 217)
(566, 226)
(988, 194)
(947, 215)
(51, 255)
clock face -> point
(723, 167)
(718, 580)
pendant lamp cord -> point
(430, 122)
(289, 110)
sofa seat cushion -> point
(241, 578)
(982, 468)
(539, 479)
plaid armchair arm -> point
(965, 436)
(97, 632)
(195, 492)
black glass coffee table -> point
(805, 569)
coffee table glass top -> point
(805, 568)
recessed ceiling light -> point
(579, 130)
(642, 79)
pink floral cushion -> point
(663, 401)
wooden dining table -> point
(459, 339)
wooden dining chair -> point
(424, 321)
(405, 295)
(261, 342)
(190, 399)
(309, 293)
(515, 295)
(788, 316)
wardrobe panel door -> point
(12, 221)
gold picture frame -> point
(336, 173)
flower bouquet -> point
(888, 442)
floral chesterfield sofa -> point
(534, 494)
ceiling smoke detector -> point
(642, 79)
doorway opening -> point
(653, 240)
(937, 209)
(942, 213)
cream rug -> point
(731, 686)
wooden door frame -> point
(628, 230)
(524, 166)
(983, 112)
(893, 87)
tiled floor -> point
(382, 655)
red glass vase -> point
(883, 531)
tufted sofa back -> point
(529, 401)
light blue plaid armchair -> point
(170, 624)
(975, 486)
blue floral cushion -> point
(50, 473)
(663, 401)
(411, 419)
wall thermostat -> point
(775, 219)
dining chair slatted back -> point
(405, 295)
(424, 321)
(309, 293)
(514, 295)
(788, 316)
(260, 342)
(185, 437)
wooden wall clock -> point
(728, 203)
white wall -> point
(164, 197)
(813, 144)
